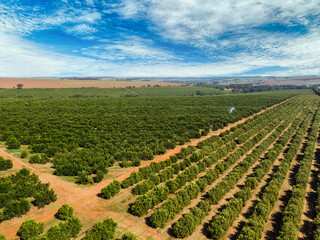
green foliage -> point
(142, 187)
(176, 204)
(17, 188)
(132, 179)
(99, 177)
(128, 236)
(149, 200)
(2, 237)
(254, 227)
(111, 190)
(46, 93)
(43, 159)
(29, 229)
(13, 143)
(15, 208)
(294, 209)
(184, 152)
(86, 134)
(24, 154)
(74, 162)
(186, 225)
(5, 164)
(44, 197)
(83, 178)
(65, 212)
(178, 91)
(65, 230)
(104, 230)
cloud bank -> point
(153, 38)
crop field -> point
(94, 92)
(177, 91)
(161, 165)
(65, 93)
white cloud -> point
(134, 48)
(81, 29)
(14, 22)
(20, 58)
(199, 23)
(90, 2)
(191, 21)
(131, 8)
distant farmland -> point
(59, 83)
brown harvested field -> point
(59, 83)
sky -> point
(159, 38)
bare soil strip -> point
(88, 207)
(131, 91)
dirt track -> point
(88, 207)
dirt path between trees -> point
(88, 207)
(131, 91)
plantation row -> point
(254, 227)
(223, 220)
(207, 149)
(91, 134)
(216, 146)
(15, 191)
(188, 176)
(191, 171)
(176, 204)
(186, 225)
(293, 211)
(316, 233)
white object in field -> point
(230, 110)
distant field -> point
(102, 82)
(109, 92)
(59, 83)
(302, 80)
(177, 91)
(65, 93)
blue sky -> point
(159, 38)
